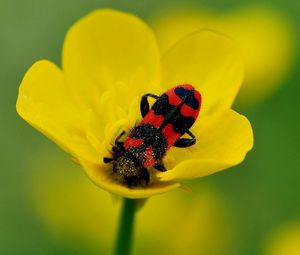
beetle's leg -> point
(117, 147)
(119, 137)
(144, 105)
(117, 141)
(185, 142)
(160, 167)
(107, 160)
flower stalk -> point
(123, 243)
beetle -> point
(171, 116)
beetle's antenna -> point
(107, 160)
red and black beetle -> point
(170, 117)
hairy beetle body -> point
(170, 117)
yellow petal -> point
(222, 142)
(173, 25)
(110, 50)
(264, 34)
(209, 61)
(45, 103)
(101, 176)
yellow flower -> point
(264, 35)
(110, 59)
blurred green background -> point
(250, 202)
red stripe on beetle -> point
(149, 157)
(170, 135)
(132, 142)
(173, 98)
(153, 119)
(187, 111)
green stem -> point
(124, 239)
